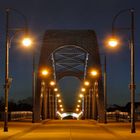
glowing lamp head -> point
(52, 83)
(26, 42)
(59, 101)
(62, 109)
(61, 106)
(81, 95)
(77, 109)
(78, 105)
(113, 42)
(58, 95)
(83, 89)
(79, 101)
(94, 73)
(56, 89)
(45, 72)
(86, 83)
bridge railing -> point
(17, 115)
(121, 116)
(118, 116)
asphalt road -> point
(69, 130)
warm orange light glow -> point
(113, 42)
(45, 72)
(26, 42)
(86, 83)
(77, 109)
(79, 101)
(59, 101)
(58, 95)
(41, 95)
(55, 89)
(83, 89)
(62, 109)
(52, 83)
(78, 105)
(94, 72)
(81, 95)
(61, 106)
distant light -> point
(59, 101)
(78, 105)
(41, 95)
(94, 73)
(52, 83)
(60, 105)
(26, 42)
(79, 101)
(81, 95)
(62, 109)
(55, 89)
(58, 95)
(86, 83)
(83, 89)
(77, 109)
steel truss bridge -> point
(69, 53)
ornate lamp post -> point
(113, 43)
(26, 42)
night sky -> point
(72, 14)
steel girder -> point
(71, 53)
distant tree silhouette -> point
(21, 105)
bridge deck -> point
(68, 130)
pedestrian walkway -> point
(69, 130)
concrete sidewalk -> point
(69, 130)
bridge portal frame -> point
(54, 39)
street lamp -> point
(94, 73)
(7, 46)
(52, 83)
(132, 71)
(113, 42)
(81, 95)
(58, 95)
(83, 89)
(86, 83)
(59, 101)
(79, 101)
(78, 105)
(55, 89)
(77, 109)
(27, 42)
(44, 72)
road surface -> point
(69, 130)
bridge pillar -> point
(100, 104)
(53, 105)
(90, 104)
(86, 106)
(94, 104)
(45, 107)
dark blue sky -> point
(72, 14)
